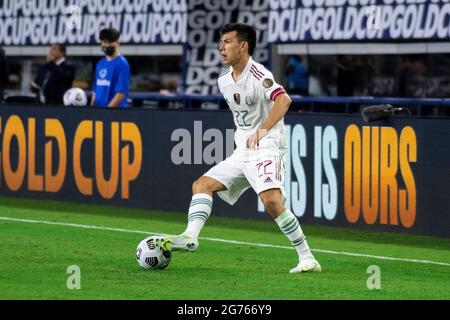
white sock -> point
(290, 226)
(199, 211)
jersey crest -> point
(237, 98)
(267, 83)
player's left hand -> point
(253, 140)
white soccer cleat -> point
(183, 243)
(307, 265)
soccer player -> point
(259, 105)
(112, 73)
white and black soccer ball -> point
(153, 253)
(75, 97)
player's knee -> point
(200, 186)
(271, 202)
(196, 186)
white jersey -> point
(251, 98)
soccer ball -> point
(153, 253)
(75, 97)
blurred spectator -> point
(345, 77)
(404, 72)
(112, 73)
(364, 71)
(4, 74)
(297, 76)
(411, 77)
(55, 77)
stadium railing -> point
(327, 104)
(346, 105)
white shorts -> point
(237, 176)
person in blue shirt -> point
(112, 73)
(297, 76)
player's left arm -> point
(271, 91)
(279, 109)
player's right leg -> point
(199, 211)
(228, 180)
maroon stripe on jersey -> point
(257, 71)
(275, 92)
(278, 94)
(255, 75)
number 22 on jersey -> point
(241, 118)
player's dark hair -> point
(109, 34)
(244, 32)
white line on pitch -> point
(83, 226)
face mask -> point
(109, 51)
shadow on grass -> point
(334, 233)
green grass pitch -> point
(35, 257)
